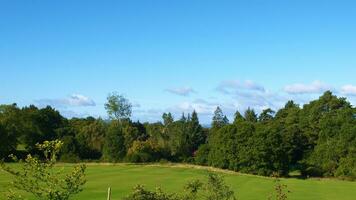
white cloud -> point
(249, 94)
(313, 88)
(182, 91)
(73, 100)
(199, 107)
(348, 89)
(73, 114)
(231, 86)
(79, 100)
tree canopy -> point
(317, 139)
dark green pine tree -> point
(266, 115)
(238, 117)
(250, 115)
(219, 119)
(114, 147)
(167, 118)
(183, 118)
(196, 133)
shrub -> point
(202, 154)
(347, 168)
(42, 180)
(140, 193)
(212, 189)
(144, 151)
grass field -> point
(123, 177)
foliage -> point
(280, 191)
(9, 129)
(69, 151)
(250, 115)
(42, 180)
(91, 138)
(144, 151)
(114, 148)
(213, 189)
(140, 193)
(202, 155)
(317, 139)
(219, 119)
(118, 107)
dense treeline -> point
(318, 139)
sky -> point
(175, 56)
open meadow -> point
(123, 177)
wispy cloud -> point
(248, 93)
(181, 91)
(348, 90)
(73, 100)
(232, 86)
(312, 88)
(74, 114)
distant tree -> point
(70, 150)
(183, 118)
(133, 132)
(250, 115)
(158, 133)
(287, 123)
(91, 138)
(40, 125)
(167, 118)
(11, 128)
(145, 151)
(178, 139)
(219, 119)
(114, 146)
(266, 115)
(118, 107)
(8, 142)
(238, 117)
(202, 155)
(196, 133)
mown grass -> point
(123, 177)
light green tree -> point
(118, 107)
(42, 179)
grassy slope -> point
(171, 178)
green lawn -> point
(123, 177)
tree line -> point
(317, 139)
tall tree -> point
(11, 128)
(219, 119)
(238, 117)
(40, 125)
(167, 118)
(91, 138)
(114, 147)
(266, 115)
(250, 115)
(196, 133)
(118, 107)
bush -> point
(347, 168)
(144, 151)
(114, 147)
(69, 158)
(202, 154)
(312, 171)
(42, 180)
(140, 193)
(212, 189)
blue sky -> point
(175, 55)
